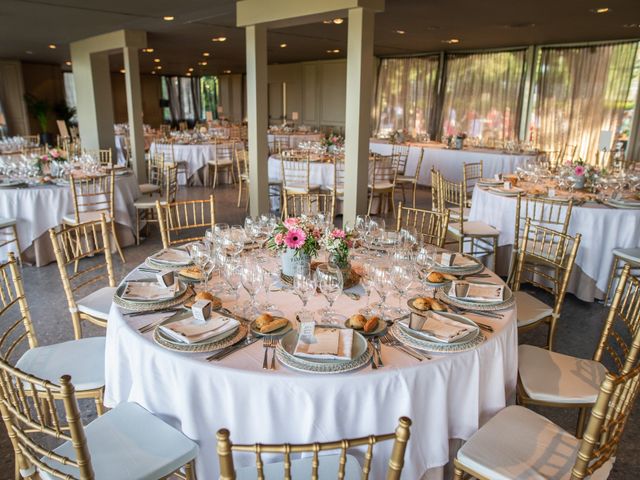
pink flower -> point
(291, 222)
(44, 158)
(349, 243)
(580, 170)
(337, 233)
(295, 238)
(54, 153)
(279, 239)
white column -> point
(358, 111)
(134, 110)
(256, 39)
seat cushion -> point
(82, 359)
(70, 218)
(381, 186)
(629, 254)
(223, 162)
(520, 444)
(7, 222)
(455, 213)
(406, 179)
(130, 442)
(553, 377)
(476, 229)
(147, 188)
(98, 303)
(530, 309)
(301, 469)
(149, 202)
(301, 189)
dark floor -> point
(578, 331)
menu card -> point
(330, 343)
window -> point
(183, 97)
(210, 92)
(70, 92)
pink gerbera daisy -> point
(337, 233)
(295, 238)
(279, 239)
(580, 170)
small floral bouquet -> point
(582, 172)
(398, 136)
(338, 242)
(333, 141)
(54, 155)
(295, 234)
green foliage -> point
(39, 109)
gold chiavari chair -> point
(400, 154)
(295, 174)
(519, 443)
(104, 156)
(83, 358)
(224, 155)
(382, 182)
(337, 189)
(622, 257)
(282, 142)
(165, 130)
(547, 212)
(481, 238)
(185, 221)
(166, 147)
(235, 133)
(146, 207)
(342, 465)
(155, 174)
(556, 380)
(242, 167)
(471, 173)
(431, 225)
(73, 247)
(72, 146)
(92, 197)
(273, 146)
(545, 260)
(298, 204)
(126, 442)
(568, 153)
(9, 234)
(402, 180)
(436, 192)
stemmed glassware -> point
(381, 284)
(401, 276)
(233, 240)
(304, 286)
(252, 278)
(366, 280)
(199, 253)
(232, 275)
(330, 282)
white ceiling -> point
(31, 25)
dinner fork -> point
(265, 345)
(274, 344)
(393, 342)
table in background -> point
(449, 161)
(120, 146)
(39, 208)
(602, 229)
(295, 139)
(447, 398)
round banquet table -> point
(292, 140)
(602, 228)
(39, 208)
(448, 398)
(449, 161)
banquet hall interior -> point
(319, 239)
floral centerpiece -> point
(338, 242)
(582, 173)
(460, 138)
(398, 136)
(297, 240)
(53, 155)
(331, 142)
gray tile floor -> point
(578, 332)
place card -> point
(165, 278)
(507, 185)
(447, 259)
(498, 176)
(201, 310)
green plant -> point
(39, 109)
(63, 112)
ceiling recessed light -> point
(226, 71)
(283, 45)
(158, 67)
(191, 69)
(451, 41)
(202, 63)
(219, 39)
(52, 46)
(600, 10)
(29, 52)
(153, 72)
(68, 63)
(400, 32)
(168, 18)
(156, 60)
(122, 70)
(188, 74)
(327, 21)
(335, 50)
(149, 50)
(338, 21)
(205, 54)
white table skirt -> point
(602, 229)
(447, 398)
(449, 162)
(38, 209)
(295, 139)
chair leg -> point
(190, 471)
(582, 419)
(215, 176)
(612, 275)
(115, 239)
(553, 322)
(17, 242)
(138, 213)
(99, 404)
(415, 187)
(457, 473)
(240, 194)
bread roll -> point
(448, 276)
(263, 320)
(273, 325)
(422, 303)
(357, 321)
(191, 272)
(205, 296)
(435, 277)
(371, 324)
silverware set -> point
(482, 313)
(391, 341)
(150, 326)
(225, 352)
(376, 358)
(269, 344)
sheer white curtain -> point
(405, 94)
(483, 94)
(580, 92)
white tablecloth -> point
(449, 397)
(294, 139)
(602, 229)
(450, 161)
(120, 156)
(38, 209)
(320, 173)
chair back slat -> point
(93, 194)
(432, 225)
(185, 221)
(382, 171)
(295, 171)
(309, 204)
(104, 156)
(156, 169)
(471, 173)
(400, 154)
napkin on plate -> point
(189, 330)
(135, 290)
(325, 343)
(458, 261)
(439, 327)
(172, 255)
(476, 292)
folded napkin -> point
(135, 290)
(625, 202)
(476, 292)
(490, 181)
(438, 327)
(189, 330)
(324, 343)
(458, 261)
(506, 191)
(173, 256)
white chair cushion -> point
(301, 189)
(301, 469)
(98, 303)
(520, 444)
(7, 222)
(70, 218)
(454, 213)
(476, 229)
(553, 377)
(149, 202)
(381, 186)
(147, 188)
(530, 309)
(82, 359)
(405, 179)
(130, 443)
(223, 162)
(629, 254)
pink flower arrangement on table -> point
(295, 234)
(338, 242)
(55, 154)
(582, 169)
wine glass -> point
(252, 278)
(330, 282)
(198, 252)
(232, 275)
(233, 240)
(426, 259)
(381, 284)
(304, 286)
(366, 280)
(401, 276)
